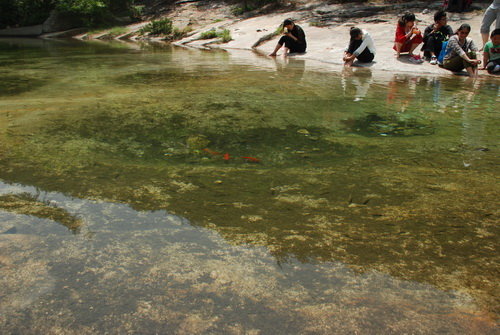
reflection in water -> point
(26, 203)
(360, 79)
(157, 273)
(355, 197)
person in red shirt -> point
(408, 37)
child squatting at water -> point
(491, 54)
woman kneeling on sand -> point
(361, 46)
(461, 52)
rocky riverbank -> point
(326, 26)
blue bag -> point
(443, 52)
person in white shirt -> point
(491, 14)
(361, 47)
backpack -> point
(443, 53)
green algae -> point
(28, 205)
(13, 85)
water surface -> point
(150, 189)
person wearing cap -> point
(293, 38)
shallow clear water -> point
(149, 189)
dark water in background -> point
(129, 204)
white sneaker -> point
(433, 60)
(496, 68)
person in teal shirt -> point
(491, 53)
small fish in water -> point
(226, 157)
(211, 152)
(251, 159)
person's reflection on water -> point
(463, 101)
(359, 78)
(401, 91)
(473, 125)
(290, 68)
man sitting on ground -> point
(293, 38)
(435, 35)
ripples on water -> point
(127, 204)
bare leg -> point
(398, 48)
(485, 39)
(278, 46)
(413, 47)
(347, 61)
(472, 71)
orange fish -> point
(211, 152)
(252, 159)
(226, 156)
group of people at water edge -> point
(439, 43)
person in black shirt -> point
(435, 35)
(293, 38)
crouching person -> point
(435, 35)
(294, 39)
(461, 52)
(491, 54)
(361, 47)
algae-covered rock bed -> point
(175, 191)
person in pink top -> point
(408, 37)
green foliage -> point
(316, 24)
(250, 5)
(224, 35)
(159, 27)
(90, 12)
(177, 33)
(237, 11)
(85, 7)
(165, 28)
(279, 30)
(24, 12)
(117, 31)
(206, 35)
(136, 11)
